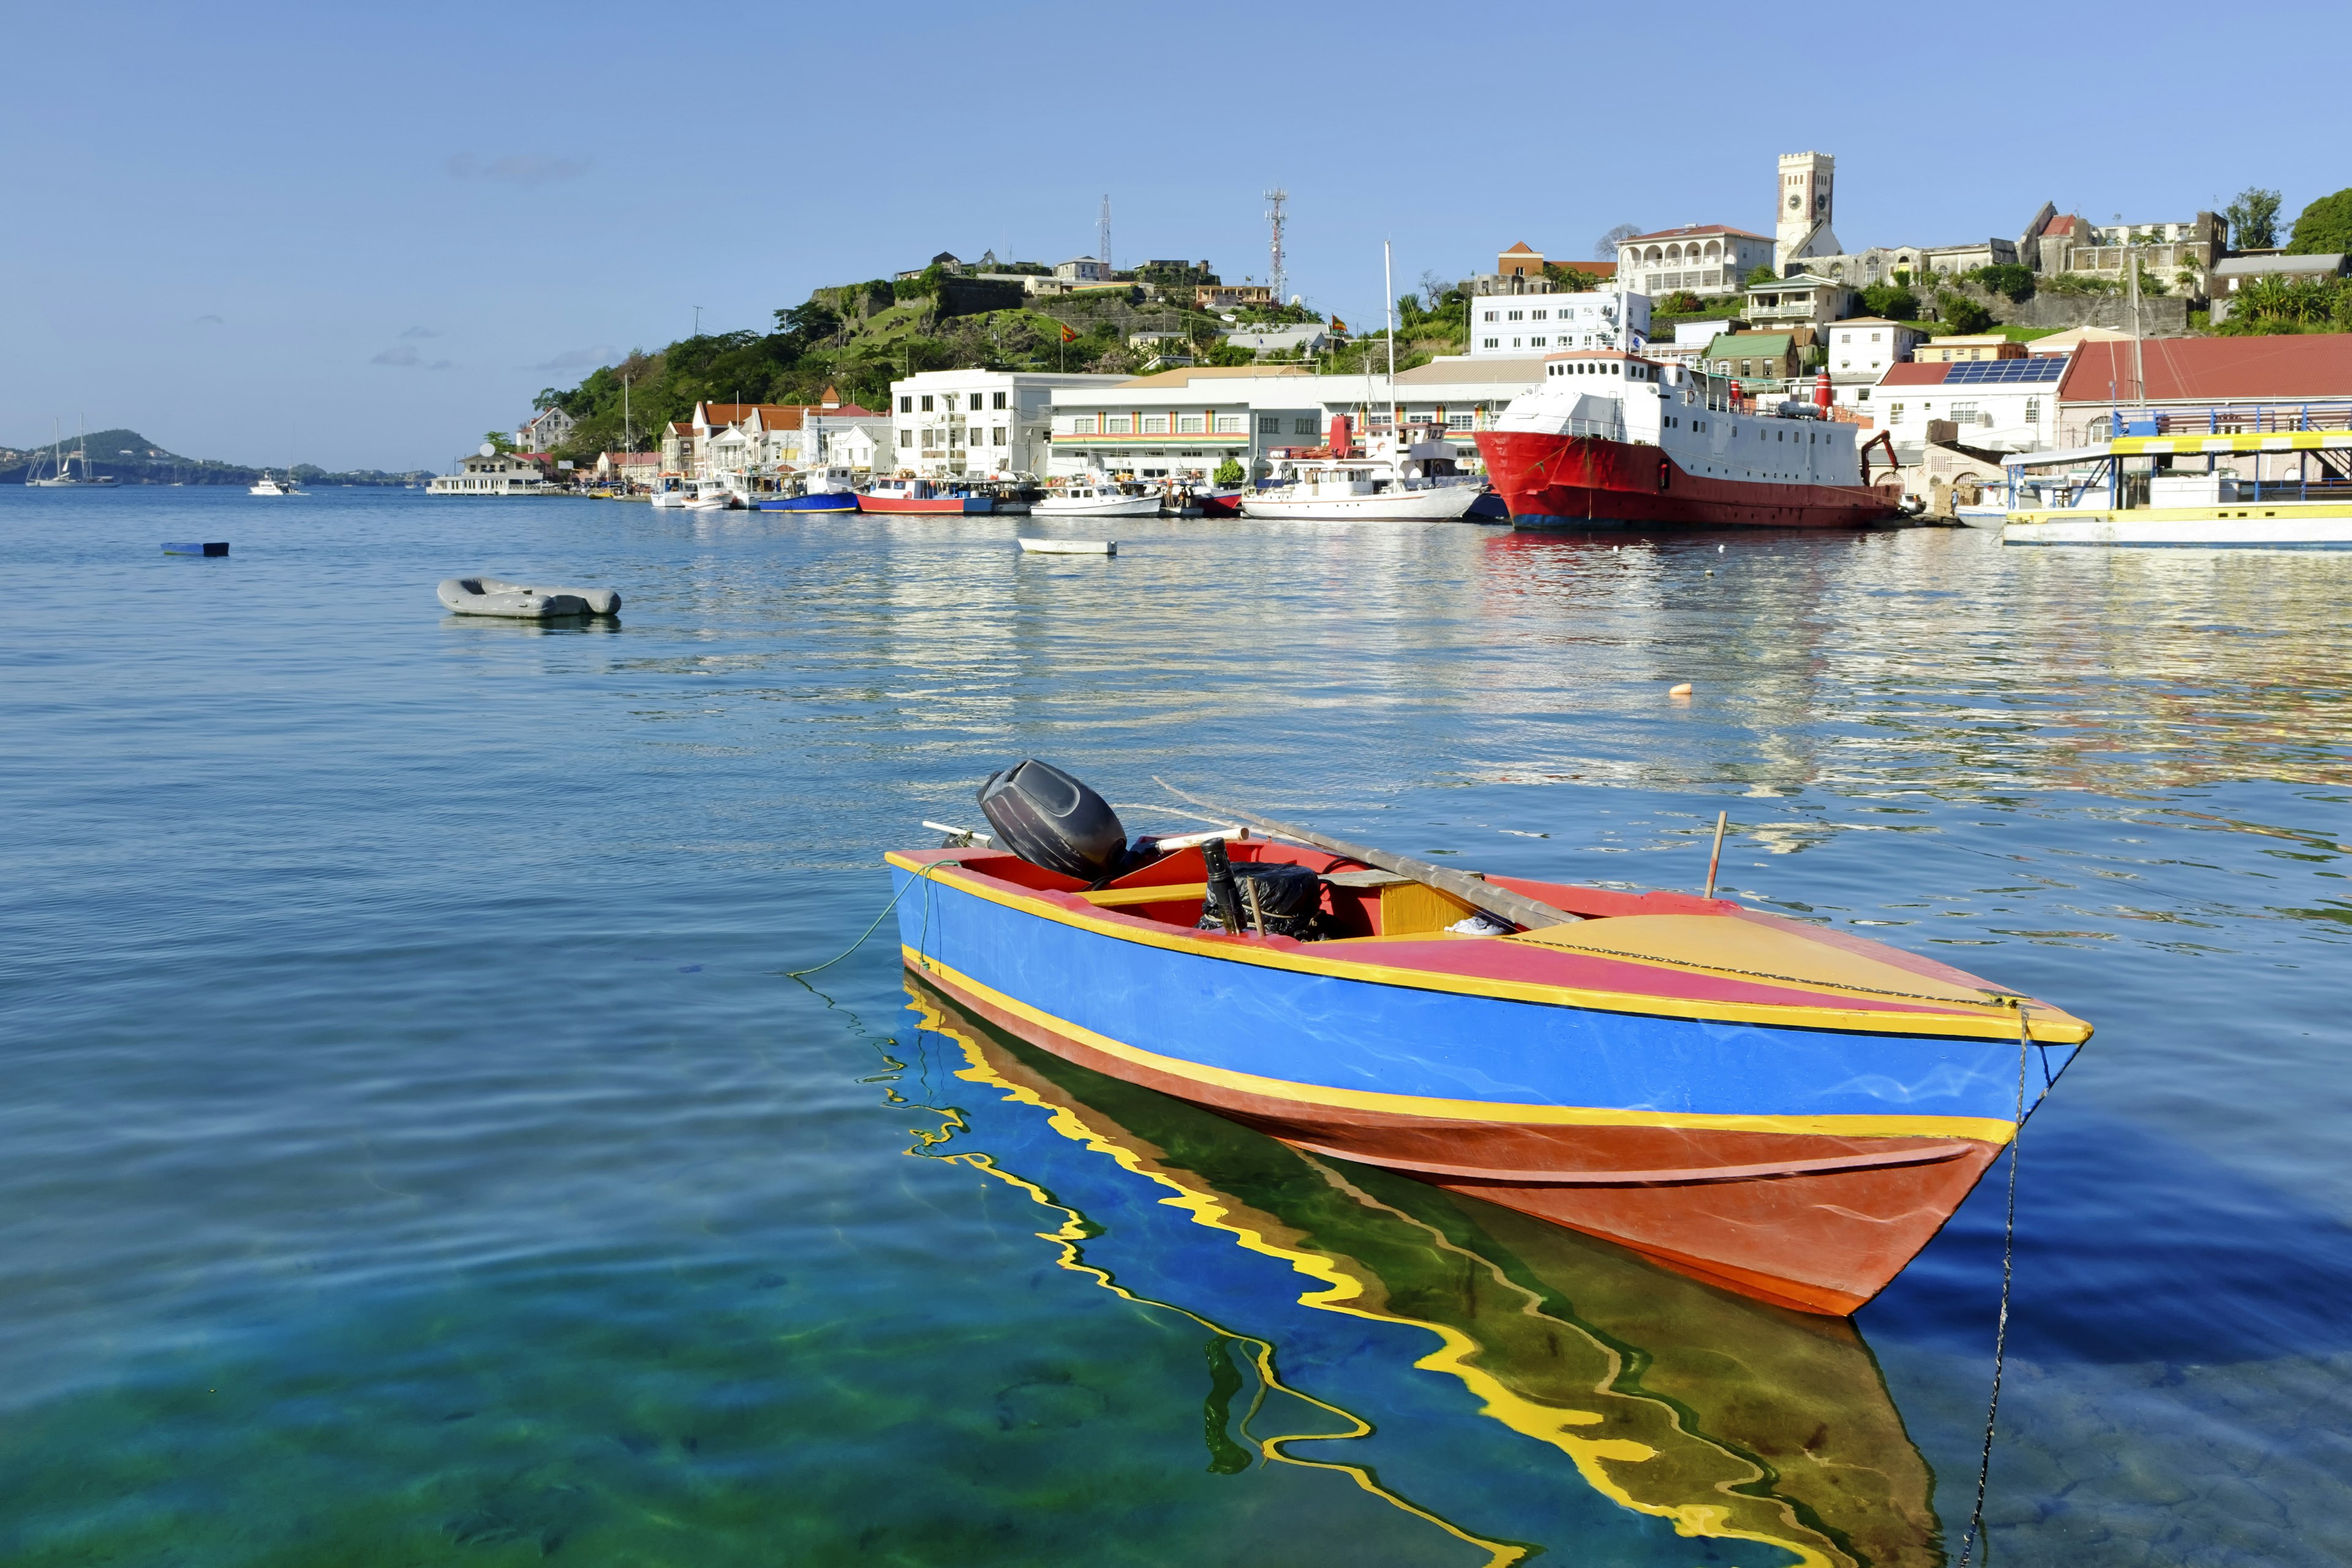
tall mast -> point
(1388, 301)
(2131, 265)
(1280, 280)
(1102, 233)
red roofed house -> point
(1999, 404)
(764, 443)
(1703, 258)
(2221, 385)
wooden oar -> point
(1473, 890)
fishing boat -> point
(671, 490)
(265, 486)
(1459, 1361)
(826, 489)
(1783, 1109)
(920, 496)
(1098, 500)
(1610, 437)
(2095, 495)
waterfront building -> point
(490, 472)
(2236, 272)
(544, 431)
(1991, 405)
(955, 423)
(1803, 299)
(1860, 351)
(1181, 424)
(2219, 386)
(1967, 347)
(636, 471)
(1701, 258)
(1542, 320)
(762, 441)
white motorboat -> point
(711, 494)
(1419, 485)
(669, 490)
(1069, 546)
(265, 486)
(1096, 500)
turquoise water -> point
(417, 1152)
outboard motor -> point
(1050, 820)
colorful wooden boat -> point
(1784, 1109)
(1454, 1359)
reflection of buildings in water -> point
(1493, 1336)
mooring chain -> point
(2008, 1259)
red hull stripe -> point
(1566, 480)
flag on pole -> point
(1068, 336)
(1337, 325)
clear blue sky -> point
(361, 236)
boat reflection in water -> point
(1422, 1343)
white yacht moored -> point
(1097, 499)
(1418, 483)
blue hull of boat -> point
(841, 500)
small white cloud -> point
(517, 168)
(582, 359)
(420, 332)
(402, 356)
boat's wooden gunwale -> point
(1888, 1018)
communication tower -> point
(1102, 234)
(1274, 198)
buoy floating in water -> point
(1682, 691)
(216, 548)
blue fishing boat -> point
(1784, 1109)
(821, 491)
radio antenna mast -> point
(1102, 233)
(1274, 198)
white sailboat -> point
(62, 476)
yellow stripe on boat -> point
(1987, 1020)
(1985, 1130)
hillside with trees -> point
(130, 458)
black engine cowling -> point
(1050, 820)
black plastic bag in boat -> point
(1050, 820)
(1288, 899)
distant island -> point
(132, 459)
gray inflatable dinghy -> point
(490, 596)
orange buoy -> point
(1682, 691)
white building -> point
(762, 441)
(1860, 353)
(490, 472)
(976, 422)
(1804, 205)
(543, 431)
(1311, 337)
(1524, 324)
(1183, 423)
(1702, 257)
(1081, 269)
(2000, 404)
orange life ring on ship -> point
(1666, 471)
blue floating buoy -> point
(216, 549)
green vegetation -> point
(2002, 277)
(2324, 228)
(1229, 472)
(1961, 314)
(132, 459)
(2080, 283)
(1893, 300)
(1575, 279)
(1761, 274)
(2026, 335)
(2269, 306)
(2253, 219)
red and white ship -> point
(1612, 438)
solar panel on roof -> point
(2005, 372)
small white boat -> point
(520, 600)
(1070, 546)
(1096, 500)
(671, 491)
(710, 495)
(265, 486)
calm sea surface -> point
(414, 1150)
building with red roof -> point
(1702, 257)
(2164, 386)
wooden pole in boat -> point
(1716, 858)
(1474, 891)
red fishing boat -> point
(1612, 438)
(920, 496)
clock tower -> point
(1802, 218)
